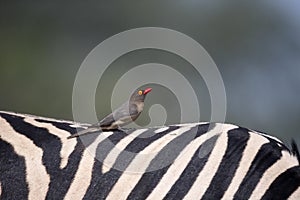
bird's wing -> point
(106, 121)
(122, 112)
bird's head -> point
(139, 95)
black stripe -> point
(191, 172)
(284, 185)
(50, 144)
(137, 145)
(267, 155)
(162, 161)
(12, 173)
(86, 140)
(60, 125)
(169, 153)
(281, 145)
(101, 184)
(237, 141)
(60, 179)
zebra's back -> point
(185, 161)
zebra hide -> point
(184, 161)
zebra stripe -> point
(122, 189)
(36, 174)
(67, 146)
(118, 148)
(254, 142)
(84, 174)
(185, 161)
(295, 195)
(180, 164)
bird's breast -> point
(140, 107)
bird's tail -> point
(84, 132)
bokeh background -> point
(255, 44)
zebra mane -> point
(295, 150)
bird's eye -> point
(140, 92)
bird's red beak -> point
(147, 90)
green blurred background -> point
(255, 44)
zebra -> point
(184, 161)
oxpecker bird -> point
(125, 114)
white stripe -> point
(295, 195)
(139, 164)
(159, 130)
(206, 175)
(36, 175)
(285, 162)
(67, 147)
(0, 189)
(253, 145)
(179, 165)
(119, 148)
(83, 176)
